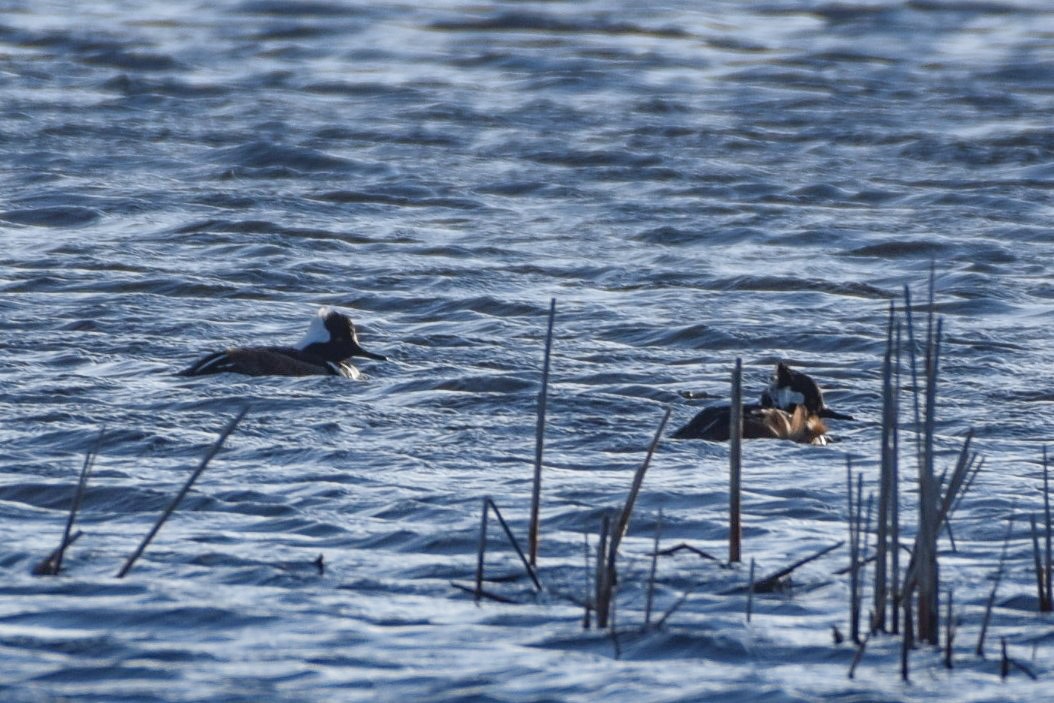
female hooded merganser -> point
(330, 341)
(791, 408)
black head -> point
(332, 336)
(790, 388)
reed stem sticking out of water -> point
(1044, 606)
(995, 585)
(183, 492)
(539, 442)
(894, 498)
(53, 564)
(602, 599)
(622, 524)
(488, 505)
(885, 486)
(772, 581)
(929, 515)
(854, 556)
(735, 456)
(949, 631)
(482, 548)
(1048, 567)
(651, 572)
(638, 480)
(750, 589)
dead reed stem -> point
(750, 590)
(52, 565)
(929, 520)
(1044, 606)
(914, 374)
(1048, 567)
(995, 585)
(586, 619)
(482, 549)
(638, 480)
(539, 441)
(603, 589)
(183, 492)
(908, 640)
(854, 556)
(894, 498)
(531, 571)
(735, 456)
(949, 631)
(674, 608)
(651, 572)
(885, 488)
(771, 582)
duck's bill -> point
(835, 415)
(359, 351)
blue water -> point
(692, 183)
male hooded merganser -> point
(330, 341)
(791, 408)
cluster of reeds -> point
(905, 599)
(602, 577)
(908, 603)
(52, 565)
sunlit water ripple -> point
(691, 185)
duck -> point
(330, 341)
(790, 408)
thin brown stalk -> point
(687, 547)
(638, 480)
(531, 571)
(854, 556)
(586, 617)
(183, 492)
(885, 480)
(602, 600)
(539, 442)
(1046, 514)
(1044, 606)
(651, 572)
(949, 630)
(482, 549)
(894, 499)
(859, 654)
(914, 373)
(908, 639)
(735, 456)
(479, 593)
(995, 585)
(772, 581)
(53, 564)
(674, 608)
(750, 590)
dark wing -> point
(263, 361)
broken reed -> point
(183, 492)
(539, 441)
(735, 455)
(611, 537)
(52, 565)
(490, 505)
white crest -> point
(317, 332)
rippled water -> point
(692, 182)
